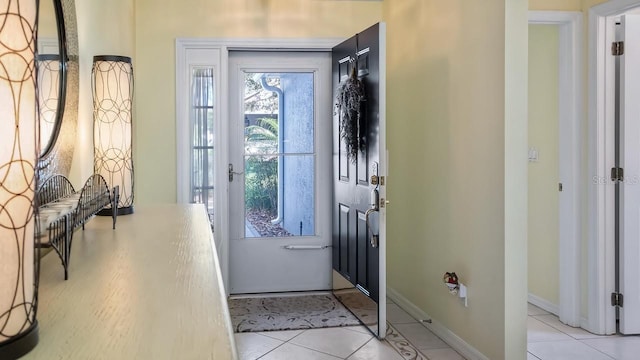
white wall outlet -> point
(462, 293)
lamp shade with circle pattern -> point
(112, 84)
(19, 150)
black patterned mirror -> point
(57, 65)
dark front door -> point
(358, 212)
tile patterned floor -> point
(548, 339)
(406, 340)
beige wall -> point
(560, 5)
(564, 5)
(446, 138)
(515, 189)
(159, 23)
(586, 4)
(47, 20)
(543, 225)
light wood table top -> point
(150, 289)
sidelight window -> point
(202, 139)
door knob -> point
(373, 237)
(231, 173)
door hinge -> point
(617, 174)
(617, 299)
(617, 48)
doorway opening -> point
(231, 171)
(557, 164)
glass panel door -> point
(279, 172)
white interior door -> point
(629, 245)
(279, 171)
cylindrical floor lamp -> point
(19, 261)
(112, 83)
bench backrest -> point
(54, 188)
(94, 196)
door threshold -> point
(280, 294)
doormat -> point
(289, 313)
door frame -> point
(601, 156)
(570, 111)
(215, 52)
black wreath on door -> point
(349, 100)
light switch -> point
(533, 154)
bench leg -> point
(67, 246)
(59, 241)
(114, 205)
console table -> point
(150, 289)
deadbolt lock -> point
(374, 180)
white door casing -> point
(601, 316)
(629, 199)
(215, 52)
(190, 55)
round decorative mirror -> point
(51, 65)
(57, 66)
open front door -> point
(359, 206)
(629, 198)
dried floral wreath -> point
(349, 98)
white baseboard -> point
(585, 324)
(456, 342)
(544, 304)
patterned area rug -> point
(289, 313)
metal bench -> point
(61, 210)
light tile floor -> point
(549, 339)
(352, 343)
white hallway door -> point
(279, 171)
(629, 187)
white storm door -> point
(279, 171)
(629, 201)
